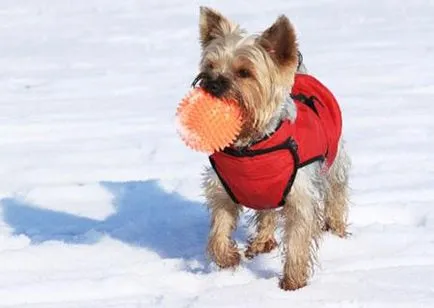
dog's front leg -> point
(224, 216)
(221, 248)
(302, 229)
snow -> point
(101, 203)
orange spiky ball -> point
(206, 123)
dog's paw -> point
(255, 248)
(288, 284)
(230, 260)
(224, 254)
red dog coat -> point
(260, 176)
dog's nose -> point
(216, 87)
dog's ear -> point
(280, 42)
(212, 25)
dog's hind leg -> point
(224, 216)
(264, 240)
(336, 197)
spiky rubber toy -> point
(206, 123)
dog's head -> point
(256, 70)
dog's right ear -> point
(212, 25)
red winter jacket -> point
(260, 176)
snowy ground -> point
(100, 201)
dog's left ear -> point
(280, 42)
(212, 25)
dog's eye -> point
(243, 73)
(209, 66)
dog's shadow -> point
(146, 216)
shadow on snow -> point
(145, 216)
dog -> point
(264, 168)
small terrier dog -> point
(259, 71)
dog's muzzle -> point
(215, 86)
